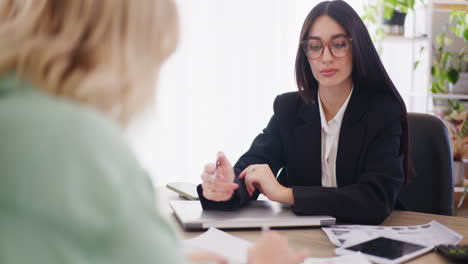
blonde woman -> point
(72, 75)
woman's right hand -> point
(272, 248)
(206, 256)
(220, 186)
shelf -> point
(402, 38)
(450, 5)
(450, 96)
(413, 94)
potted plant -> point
(383, 17)
(458, 76)
(455, 119)
(449, 67)
(394, 14)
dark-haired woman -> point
(339, 145)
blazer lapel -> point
(308, 146)
(352, 133)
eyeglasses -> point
(339, 46)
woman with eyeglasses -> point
(338, 146)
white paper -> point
(356, 258)
(222, 243)
(430, 234)
(235, 249)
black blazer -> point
(369, 164)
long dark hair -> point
(368, 71)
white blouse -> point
(330, 136)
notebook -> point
(255, 214)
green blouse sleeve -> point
(71, 191)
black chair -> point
(431, 189)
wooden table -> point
(318, 244)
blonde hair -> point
(105, 53)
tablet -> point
(385, 250)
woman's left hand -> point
(261, 177)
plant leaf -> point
(440, 40)
(452, 76)
(464, 130)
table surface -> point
(317, 242)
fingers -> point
(218, 180)
(218, 185)
(216, 189)
(249, 184)
(249, 169)
(225, 170)
(222, 159)
(251, 180)
(301, 256)
(206, 256)
(243, 174)
(275, 236)
(214, 195)
(283, 244)
(209, 168)
(273, 248)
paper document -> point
(220, 242)
(356, 258)
(235, 249)
(430, 234)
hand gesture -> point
(260, 176)
(206, 256)
(272, 248)
(218, 180)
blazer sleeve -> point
(372, 198)
(265, 149)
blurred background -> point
(234, 57)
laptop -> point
(255, 214)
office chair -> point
(431, 188)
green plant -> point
(461, 21)
(372, 16)
(402, 6)
(447, 65)
(455, 118)
(416, 63)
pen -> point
(215, 174)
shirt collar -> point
(338, 118)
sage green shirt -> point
(70, 189)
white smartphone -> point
(385, 250)
(184, 189)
